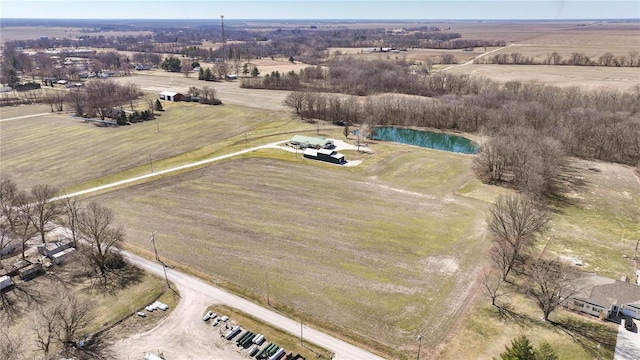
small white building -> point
(5, 282)
(171, 96)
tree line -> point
(576, 59)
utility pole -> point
(223, 51)
(164, 267)
(268, 301)
(150, 162)
(419, 345)
(245, 139)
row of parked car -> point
(255, 344)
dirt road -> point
(182, 335)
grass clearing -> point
(600, 224)
(361, 239)
(283, 339)
(485, 332)
(45, 147)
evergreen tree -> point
(158, 106)
(521, 349)
(201, 74)
(245, 69)
(255, 72)
(207, 74)
(546, 352)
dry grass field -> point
(68, 152)
(34, 32)
(391, 242)
(584, 77)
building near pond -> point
(311, 142)
(326, 155)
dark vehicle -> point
(628, 324)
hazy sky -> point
(327, 9)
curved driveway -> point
(200, 294)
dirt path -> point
(475, 58)
(163, 172)
(24, 117)
(182, 335)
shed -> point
(5, 282)
(63, 256)
(326, 155)
(171, 96)
(50, 249)
(30, 271)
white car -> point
(215, 322)
(142, 314)
(208, 316)
(224, 318)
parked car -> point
(142, 314)
(224, 318)
(628, 324)
(215, 322)
(208, 316)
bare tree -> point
(492, 287)
(11, 345)
(102, 237)
(551, 284)
(24, 220)
(44, 327)
(295, 101)
(514, 222)
(73, 315)
(72, 212)
(46, 212)
(77, 99)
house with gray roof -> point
(617, 298)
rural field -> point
(360, 236)
(377, 253)
(585, 77)
(56, 144)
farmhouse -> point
(311, 142)
(171, 96)
(327, 155)
(617, 298)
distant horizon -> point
(395, 10)
(328, 19)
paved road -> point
(191, 288)
(627, 344)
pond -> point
(426, 139)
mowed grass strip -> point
(349, 248)
(67, 152)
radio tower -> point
(223, 51)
